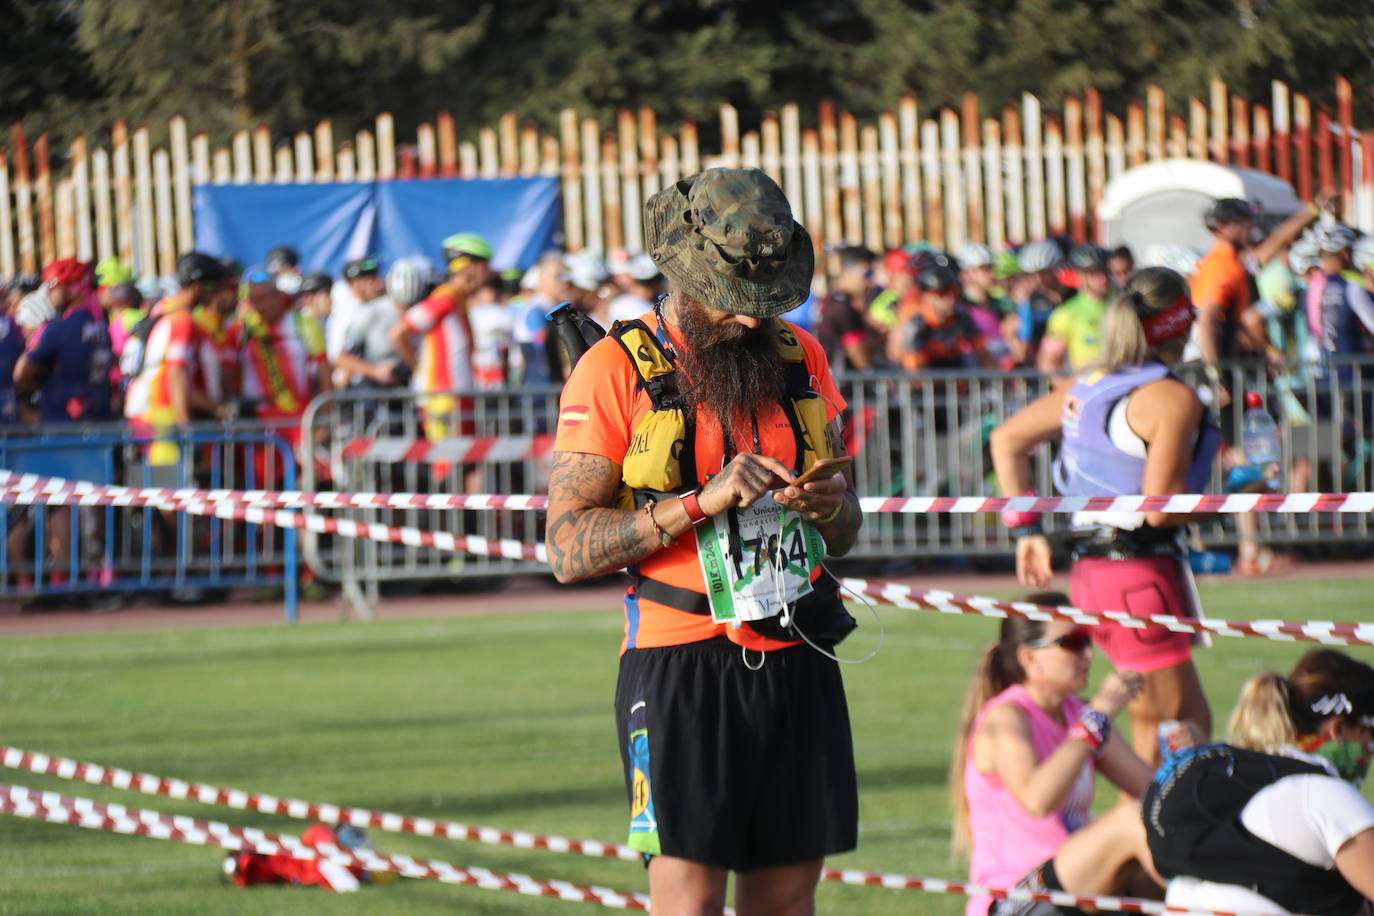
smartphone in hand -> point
(823, 468)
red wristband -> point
(692, 506)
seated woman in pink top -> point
(1022, 772)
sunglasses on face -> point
(1074, 641)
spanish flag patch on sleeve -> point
(573, 414)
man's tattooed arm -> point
(585, 536)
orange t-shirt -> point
(1222, 279)
(601, 407)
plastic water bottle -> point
(1209, 562)
(1173, 737)
(1260, 437)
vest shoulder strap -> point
(656, 370)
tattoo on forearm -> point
(585, 537)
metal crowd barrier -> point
(378, 441)
(912, 436)
(107, 553)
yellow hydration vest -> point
(660, 460)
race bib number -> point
(756, 561)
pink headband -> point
(1175, 321)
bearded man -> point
(681, 438)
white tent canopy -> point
(1161, 203)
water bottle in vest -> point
(1260, 436)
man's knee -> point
(680, 887)
(787, 890)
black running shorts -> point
(733, 767)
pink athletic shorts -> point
(1141, 587)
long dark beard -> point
(733, 371)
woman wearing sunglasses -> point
(1127, 425)
(1271, 822)
(1021, 777)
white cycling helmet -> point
(1178, 258)
(1333, 237)
(974, 254)
(410, 279)
(1037, 256)
(34, 310)
(1302, 257)
(585, 270)
(1362, 253)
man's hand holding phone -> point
(818, 493)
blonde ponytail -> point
(1148, 292)
(1263, 719)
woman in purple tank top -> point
(1126, 426)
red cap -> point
(65, 272)
(897, 261)
(1253, 399)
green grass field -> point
(501, 721)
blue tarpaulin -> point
(331, 223)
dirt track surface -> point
(526, 594)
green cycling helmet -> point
(1005, 264)
(468, 244)
(113, 272)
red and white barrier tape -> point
(1058, 898)
(148, 784)
(82, 812)
(1362, 502)
(461, 450)
(322, 524)
(31, 489)
(1321, 631)
(72, 769)
(890, 593)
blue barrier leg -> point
(292, 584)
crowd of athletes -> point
(1293, 297)
(91, 343)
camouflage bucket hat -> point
(727, 238)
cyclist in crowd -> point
(367, 356)
(124, 309)
(979, 276)
(1339, 309)
(68, 362)
(844, 328)
(640, 284)
(1120, 265)
(542, 290)
(362, 285)
(11, 348)
(217, 371)
(315, 297)
(160, 361)
(490, 317)
(942, 335)
(1071, 336)
(283, 357)
(588, 286)
(283, 265)
(67, 368)
(897, 282)
(443, 360)
(1038, 294)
